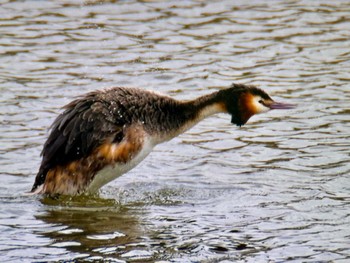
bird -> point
(105, 133)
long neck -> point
(180, 116)
(205, 106)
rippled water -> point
(275, 190)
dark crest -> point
(234, 100)
(241, 88)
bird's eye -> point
(261, 102)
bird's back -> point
(97, 118)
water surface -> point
(275, 190)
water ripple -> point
(273, 190)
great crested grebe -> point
(104, 134)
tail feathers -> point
(35, 191)
(38, 190)
(38, 185)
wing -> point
(85, 124)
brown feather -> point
(246, 106)
(108, 128)
(75, 176)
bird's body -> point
(104, 134)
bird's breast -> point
(113, 171)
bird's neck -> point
(205, 106)
(183, 115)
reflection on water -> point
(93, 228)
(274, 190)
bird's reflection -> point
(91, 226)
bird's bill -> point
(281, 106)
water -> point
(275, 190)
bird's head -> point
(243, 101)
